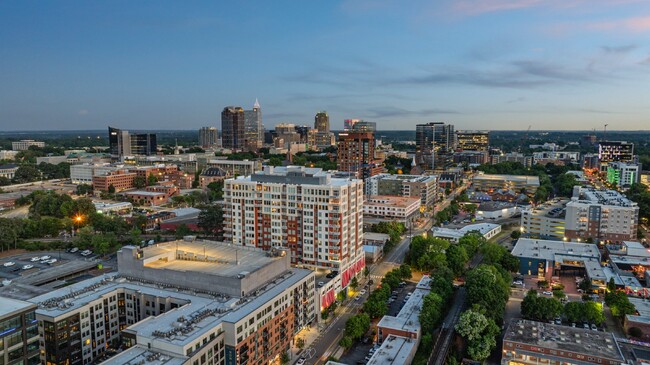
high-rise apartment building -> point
(122, 143)
(473, 140)
(254, 129)
(233, 120)
(208, 137)
(24, 144)
(18, 332)
(613, 151)
(322, 122)
(356, 154)
(317, 217)
(601, 215)
(434, 143)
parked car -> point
(8, 264)
(320, 283)
(594, 327)
(301, 361)
(50, 262)
(27, 267)
(86, 253)
(585, 326)
(548, 293)
(73, 250)
(35, 259)
(518, 282)
(46, 257)
(362, 292)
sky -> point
(477, 64)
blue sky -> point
(479, 64)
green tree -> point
(405, 271)
(84, 189)
(619, 303)
(432, 311)
(26, 174)
(357, 325)
(480, 333)
(366, 272)
(182, 230)
(354, 283)
(139, 182)
(457, 258)
(211, 219)
(611, 285)
(215, 190)
(152, 180)
(515, 234)
(489, 288)
(345, 342)
(111, 189)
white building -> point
(24, 144)
(391, 207)
(623, 173)
(487, 230)
(317, 217)
(604, 215)
(573, 157)
(83, 174)
(8, 171)
(8, 155)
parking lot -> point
(38, 264)
(360, 351)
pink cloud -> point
(636, 24)
(478, 7)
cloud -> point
(634, 24)
(645, 62)
(479, 7)
(516, 100)
(619, 49)
(83, 112)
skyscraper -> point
(356, 154)
(434, 143)
(233, 127)
(348, 124)
(322, 122)
(254, 129)
(122, 143)
(208, 137)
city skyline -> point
(477, 64)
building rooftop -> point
(372, 236)
(180, 212)
(492, 206)
(481, 228)
(143, 192)
(137, 355)
(297, 175)
(11, 306)
(572, 339)
(394, 350)
(524, 179)
(591, 195)
(547, 249)
(398, 201)
(408, 318)
(406, 178)
(553, 209)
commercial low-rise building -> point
(557, 157)
(533, 343)
(8, 155)
(497, 210)
(23, 145)
(8, 171)
(517, 183)
(392, 207)
(487, 230)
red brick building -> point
(356, 154)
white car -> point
(46, 257)
(548, 293)
(518, 282)
(35, 259)
(27, 267)
(51, 261)
(10, 263)
(73, 250)
(86, 253)
(301, 361)
(362, 292)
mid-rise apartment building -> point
(23, 145)
(318, 218)
(527, 161)
(188, 302)
(623, 173)
(18, 332)
(613, 151)
(602, 215)
(392, 207)
(414, 186)
(557, 157)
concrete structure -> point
(18, 332)
(545, 221)
(23, 145)
(8, 155)
(356, 154)
(395, 350)
(544, 258)
(517, 183)
(235, 168)
(551, 156)
(512, 157)
(424, 187)
(233, 122)
(434, 143)
(316, 217)
(253, 128)
(157, 307)
(601, 215)
(8, 171)
(496, 210)
(392, 207)
(208, 137)
(487, 230)
(623, 174)
(532, 343)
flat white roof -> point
(482, 228)
(10, 306)
(394, 350)
(137, 355)
(547, 249)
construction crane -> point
(605, 133)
